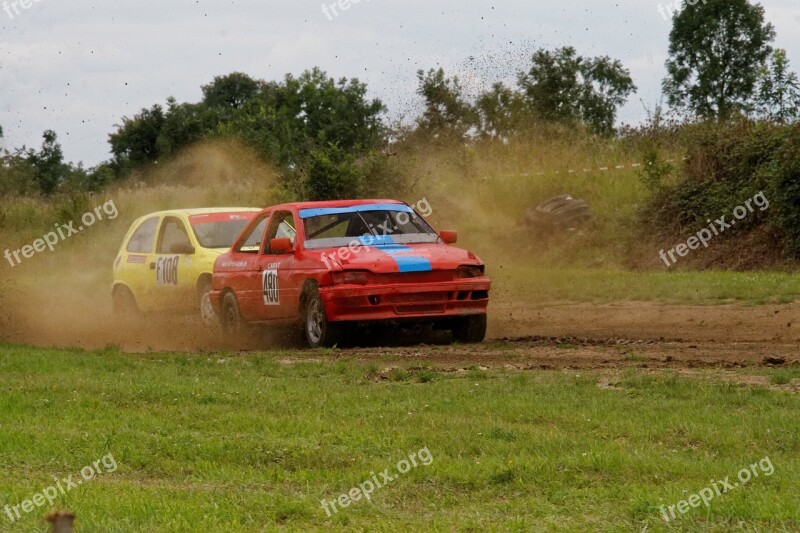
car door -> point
(246, 281)
(171, 280)
(280, 285)
(138, 253)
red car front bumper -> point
(406, 301)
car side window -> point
(141, 241)
(281, 226)
(174, 237)
(251, 243)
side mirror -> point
(280, 246)
(182, 249)
(449, 237)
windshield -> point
(219, 230)
(368, 224)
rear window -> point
(219, 230)
(142, 239)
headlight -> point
(469, 271)
(349, 277)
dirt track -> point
(628, 335)
(580, 336)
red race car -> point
(327, 265)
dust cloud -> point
(64, 298)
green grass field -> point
(680, 287)
(228, 442)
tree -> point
(287, 121)
(446, 111)
(562, 86)
(336, 112)
(605, 88)
(778, 96)
(332, 174)
(230, 91)
(27, 172)
(49, 169)
(716, 50)
(292, 123)
(96, 178)
(17, 176)
(135, 143)
(502, 111)
(552, 85)
(183, 125)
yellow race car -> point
(167, 258)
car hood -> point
(390, 258)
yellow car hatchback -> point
(167, 258)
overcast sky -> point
(78, 66)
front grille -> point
(416, 309)
(419, 297)
(396, 278)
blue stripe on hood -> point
(405, 263)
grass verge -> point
(254, 442)
(680, 287)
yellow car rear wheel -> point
(124, 303)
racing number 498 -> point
(270, 284)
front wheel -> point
(231, 319)
(470, 329)
(318, 331)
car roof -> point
(204, 211)
(330, 203)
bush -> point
(728, 163)
(783, 175)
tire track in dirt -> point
(554, 353)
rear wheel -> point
(124, 303)
(207, 313)
(318, 331)
(232, 322)
(470, 329)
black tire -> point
(559, 214)
(554, 204)
(207, 314)
(572, 218)
(123, 303)
(231, 317)
(317, 330)
(470, 329)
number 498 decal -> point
(270, 284)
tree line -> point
(327, 137)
